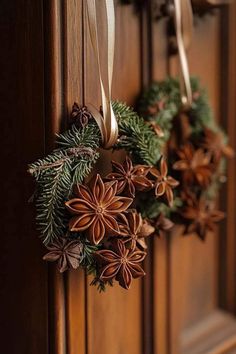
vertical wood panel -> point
(23, 275)
(73, 92)
(160, 252)
(54, 116)
(194, 295)
(114, 318)
(228, 114)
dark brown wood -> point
(147, 284)
(228, 111)
(23, 275)
(75, 306)
(187, 304)
(160, 246)
(54, 114)
(196, 323)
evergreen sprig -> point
(168, 94)
(136, 136)
(70, 163)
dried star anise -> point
(134, 230)
(201, 218)
(129, 177)
(194, 165)
(164, 183)
(96, 208)
(162, 224)
(80, 116)
(214, 143)
(156, 128)
(120, 263)
(156, 107)
(66, 253)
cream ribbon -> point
(184, 25)
(107, 122)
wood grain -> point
(23, 275)
(115, 318)
(75, 305)
(54, 116)
(160, 246)
(194, 267)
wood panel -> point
(187, 302)
(114, 318)
(228, 111)
(54, 116)
(73, 92)
(23, 275)
(196, 325)
(160, 252)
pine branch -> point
(58, 172)
(88, 136)
(53, 189)
(136, 136)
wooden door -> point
(187, 302)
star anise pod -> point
(156, 107)
(194, 165)
(80, 116)
(96, 209)
(134, 230)
(201, 218)
(214, 143)
(129, 177)
(164, 183)
(120, 263)
(66, 253)
(162, 224)
(156, 128)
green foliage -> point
(74, 159)
(87, 258)
(53, 188)
(165, 97)
(56, 174)
(152, 207)
(164, 100)
(136, 136)
(160, 103)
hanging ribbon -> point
(184, 25)
(106, 122)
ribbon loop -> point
(107, 122)
(184, 25)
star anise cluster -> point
(104, 213)
(196, 164)
(121, 259)
(101, 213)
(132, 179)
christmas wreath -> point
(197, 149)
(96, 221)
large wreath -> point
(95, 221)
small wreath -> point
(99, 222)
(197, 149)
